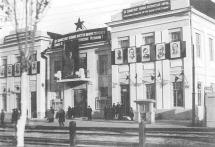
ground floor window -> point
(101, 102)
(18, 101)
(150, 91)
(4, 102)
(178, 94)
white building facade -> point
(10, 80)
(154, 45)
(79, 71)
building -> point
(79, 71)
(10, 81)
(164, 50)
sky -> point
(62, 14)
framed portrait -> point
(160, 51)
(175, 49)
(118, 56)
(132, 57)
(34, 67)
(9, 70)
(17, 69)
(145, 52)
(2, 71)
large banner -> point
(70, 59)
(147, 9)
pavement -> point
(112, 133)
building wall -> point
(36, 82)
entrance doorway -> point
(33, 105)
(125, 99)
(210, 103)
(80, 101)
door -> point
(125, 99)
(80, 100)
(33, 105)
(210, 109)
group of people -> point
(117, 112)
(14, 118)
(73, 112)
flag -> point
(176, 78)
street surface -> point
(97, 133)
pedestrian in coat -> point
(61, 117)
(2, 117)
(89, 113)
(131, 114)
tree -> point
(24, 14)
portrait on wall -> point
(118, 56)
(160, 51)
(34, 67)
(145, 50)
(175, 49)
(132, 55)
(17, 69)
(9, 70)
(2, 71)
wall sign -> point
(147, 9)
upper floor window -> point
(57, 66)
(103, 64)
(33, 57)
(123, 42)
(148, 38)
(211, 49)
(3, 60)
(18, 59)
(198, 45)
(175, 34)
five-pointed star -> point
(79, 24)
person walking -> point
(131, 114)
(2, 117)
(61, 117)
(89, 113)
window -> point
(18, 59)
(83, 62)
(123, 42)
(33, 57)
(3, 60)
(103, 64)
(4, 101)
(150, 91)
(57, 66)
(148, 38)
(198, 45)
(211, 49)
(175, 35)
(103, 91)
(178, 94)
(199, 93)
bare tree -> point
(29, 13)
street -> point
(111, 133)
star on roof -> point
(79, 24)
